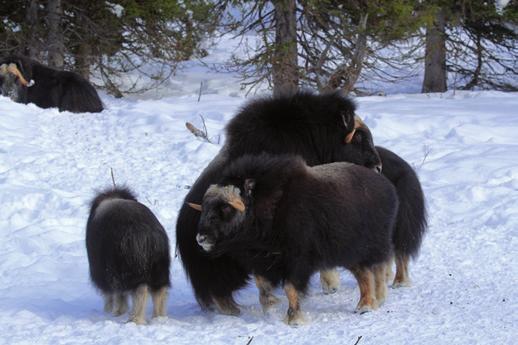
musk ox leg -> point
(330, 281)
(227, 306)
(389, 273)
(266, 297)
(366, 283)
(401, 279)
(108, 302)
(120, 303)
(139, 305)
(380, 274)
(294, 316)
(159, 301)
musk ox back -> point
(317, 127)
(128, 252)
(283, 221)
(47, 87)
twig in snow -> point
(250, 340)
(358, 340)
(199, 93)
(198, 132)
(113, 178)
(426, 153)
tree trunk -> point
(284, 65)
(56, 47)
(476, 74)
(31, 43)
(83, 59)
(435, 75)
(346, 76)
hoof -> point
(363, 308)
(399, 284)
(268, 302)
(137, 321)
(330, 281)
(295, 320)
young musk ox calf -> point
(316, 127)
(47, 87)
(283, 221)
(128, 252)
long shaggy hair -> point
(313, 126)
(283, 220)
(127, 246)
(67, 91)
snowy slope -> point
(464, 147)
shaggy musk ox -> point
(128, 252)
(316, 127)
(283, 221)
(27, 81)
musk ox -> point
(316, 127)
(27, 81)
(128, 252)
(312, 126)
(283, 221)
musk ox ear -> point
(249, 186)
(197, 207)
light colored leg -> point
(401, 279)
(266, 297)
(139, 305)
(294, 316)
(108, 302)
(380, 283)
(330, 280)
(159, 301)
(389, 271)
(227, 306)
(120, 305)
(366, 284)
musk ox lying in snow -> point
(128, 252)
(314, 127)
(27, 81)
(282, 221)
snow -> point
(463, 145)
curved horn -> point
(237, 204)
(357, 124)
(197, 207)
(13, 69)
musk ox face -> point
(360, 149)
(222, 215)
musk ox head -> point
(222, 215)
(360, 149)
(11, 80)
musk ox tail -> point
(411, 219)
(213, 279)
(79, 95)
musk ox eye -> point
(226, 210)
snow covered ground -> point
(464, 146)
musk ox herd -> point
(297, 188)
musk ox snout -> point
(204, 242)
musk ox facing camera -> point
(282, 221)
